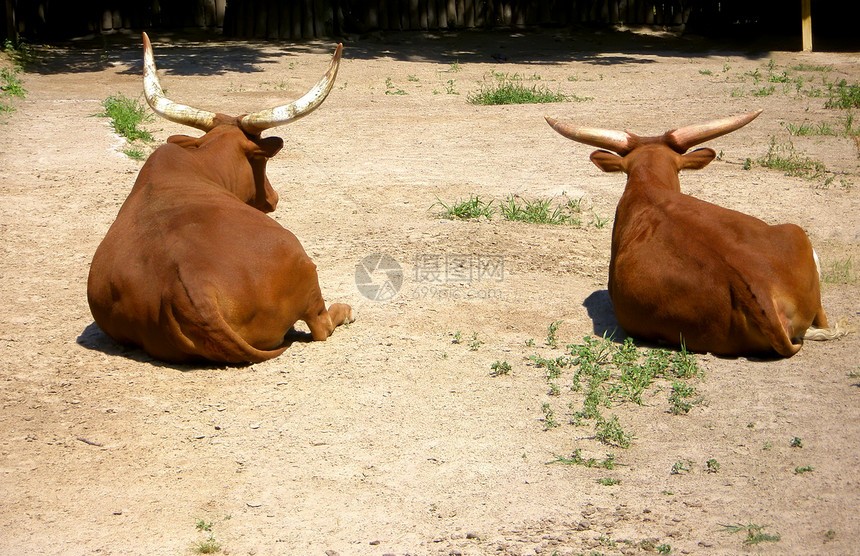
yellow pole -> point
(806, 15)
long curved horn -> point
(164, 107)
(255, 123)
(683, 138)
(620, 142)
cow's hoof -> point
(350, 316)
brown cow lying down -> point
(683, 270)
(192, 268)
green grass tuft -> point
(510, 89)
(839, 272)
(472, 208)
(126, 117)
(754, 533)
(500, 368)
(11, 87)
(843, 95)
(784, 157)
(562, 212)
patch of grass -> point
(599, 222)
(500, 368)
(683, 363)
(812, 67)
(390, 89)
(754, 533)
(10, 84)
(540, 211)
(609, 431)
(134, 153)
(577, 459)
(712, 465)
(469, 209)
(609, 481)
(604, 373)
(764, 91)
(843, 95)
(680, 398)
(796, 442)
(839, 272)
(784, 157)
(20, 52)
(207, 546)
(126, 117)
(503, 88)
(803, 469)
(680, 467)
(552, 334)
(649, 546)
(563, 211)
(11, 87)
(475, 343)
(548, 417)
(779, 78)
(807, 128)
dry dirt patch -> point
(389, 438)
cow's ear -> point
(184, 141)
(268, 147)
(607, 161)
(697, 159)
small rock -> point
(331, 553)
(374, 543)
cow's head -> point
(655, 160)
(233, 145)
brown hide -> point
(684, 270)
(193, 269)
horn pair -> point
(252, 124)
(680, 139)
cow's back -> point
(197, 274)
(721, 280)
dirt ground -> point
(390, 438)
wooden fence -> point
(300, 19)
(317, 18)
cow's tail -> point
(203, 332)
(824, 334)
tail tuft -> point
(824, 334)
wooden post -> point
(806, 15)
(11, 29)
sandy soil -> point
(389, 438)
